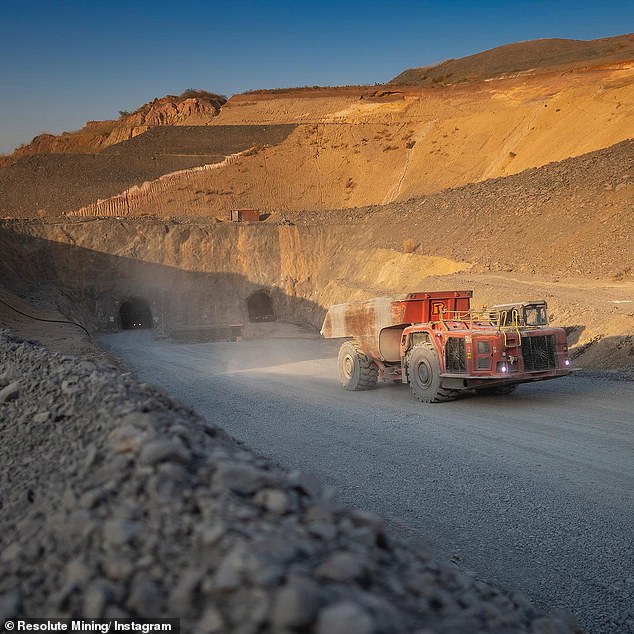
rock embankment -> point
(117, 501)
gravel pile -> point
(117, 501)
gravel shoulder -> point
(533, 490)
(119, 502)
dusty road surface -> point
(534, 489)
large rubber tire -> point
(423, 375)
(356, 369)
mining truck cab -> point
(527, 314)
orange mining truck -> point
(441, 347)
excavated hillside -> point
(357, 149)
(561, 232)
(517, 187)
(522, 57)
(49, 184)
(349, 147)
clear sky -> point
(63, 62)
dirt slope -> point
(49, 184)
(574, 216)
(350, 151)
(522, 57)
(42, 321)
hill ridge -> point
(190, 108)
(531, 55)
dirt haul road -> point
(533, 489)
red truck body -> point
(440, 346)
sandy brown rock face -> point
(161, 112)
(47, 185)
(351, 149)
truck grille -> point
(539, 353)
(455, 357)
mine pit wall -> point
(197, 274)
(188, 274)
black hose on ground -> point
(52, 321)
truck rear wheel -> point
(423, 375)
(356, 370)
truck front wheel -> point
(356, 370)
(423, 375)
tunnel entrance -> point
(135, 313)
(260, 307)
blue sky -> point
(64, 62)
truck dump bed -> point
(377, 323)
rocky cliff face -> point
(166, 111)
(97, 135)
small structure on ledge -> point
(245, 215)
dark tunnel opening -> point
(135, 313)
(260, 307)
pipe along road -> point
(533, 490)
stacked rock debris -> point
(117, 501)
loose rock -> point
(109, 513)
(344, 618)
(10, 392)
(163, 450)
